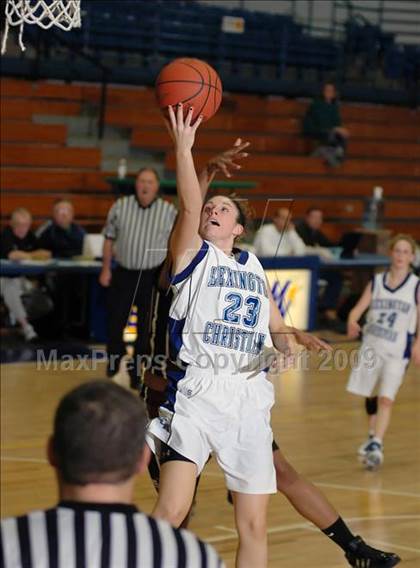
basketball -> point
(192, 82)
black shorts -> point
(158, 333)
(159, 351)
(168, 454)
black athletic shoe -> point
(361, 555)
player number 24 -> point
(389, 319)
(230, 313)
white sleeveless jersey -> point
(392, 318)
(219, 317)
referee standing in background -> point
(136, 235)
(97, 449)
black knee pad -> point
(371, 405)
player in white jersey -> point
(222, 319)
(305, 497)
(393, 300)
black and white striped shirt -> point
(87, 535)
(140, 233)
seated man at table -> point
(61, 235)
(318, 243)
(64, 238)
(310, 231)
(279, 238)
(18, 242)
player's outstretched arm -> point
(185, 240)
(281, 336)
(353, 327)
(226, 162)
(285, 338)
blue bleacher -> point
(161, 30)
(179, 28)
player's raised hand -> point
(353, 329)
(180, 129)
(227, 160)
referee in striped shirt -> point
(136, 235)
(98, 448)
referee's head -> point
(99, 435)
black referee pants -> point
(119, 300)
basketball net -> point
(45, 13)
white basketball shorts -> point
(376, 374)
(227, 416)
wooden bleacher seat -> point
(37, 167)
(29, 132)
(158, 139)
(23, 108)
(384, 150)
(40, 89)
(30, 155)
(52, 180)
(337, 186)
(277, 164)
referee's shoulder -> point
(15, 538)
(168, 204)
(153, 537)
(118, 203)
(34, 516)
(125, 199)
(198, 554)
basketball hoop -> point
(45, 13)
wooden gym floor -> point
(319, 427)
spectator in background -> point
(98, 449)
(64, 238)
(136, 234)
(279, 238)
(318, 243)
(61, 235)
(322, 123)
(18, 242)
(310, 230)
